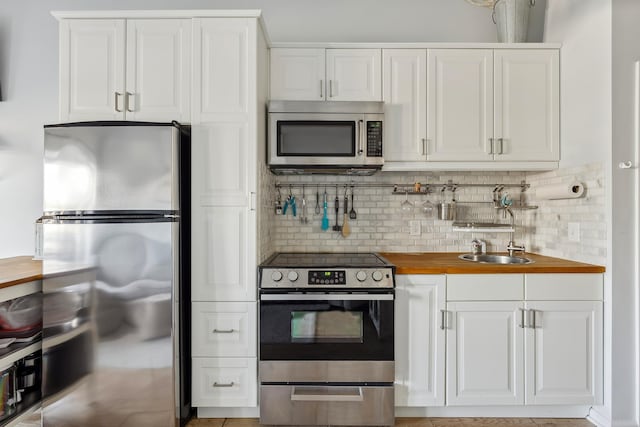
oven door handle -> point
(326, 394)
(326, 297)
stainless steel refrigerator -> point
(115, 248)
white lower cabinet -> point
(225, 382)
(224, 329)
(419, 340)
(484, 353)
(516, 351)
(563, 356)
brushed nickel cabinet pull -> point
(443, 319)
(321, 91)
(217, 384)
(533, 319)
(522, 321)
(501, 140)
(127, 103)
(361, 137)
(330, 88)
(116, 101)
(491, 141)
(424, 146)
(223, 331)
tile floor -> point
(422, 422)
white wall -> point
(598, 118)
(625, 213)
(584, 29)
(29, 68)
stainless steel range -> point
(326, 339)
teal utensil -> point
(325, 218)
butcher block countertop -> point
(18, 270)
(448, 263)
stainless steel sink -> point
(495, 259)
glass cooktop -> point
(321, 259)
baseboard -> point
(598, 418)
(578, 411)
(228, 412)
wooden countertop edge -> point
(448, 263)
(20, 281)
(497, 270)
(18, 270)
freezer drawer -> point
(326, 405)
(111, 167)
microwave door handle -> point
(360, 137)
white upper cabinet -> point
(326, 74)
(117, 69)
(404, 72)
(527, 101)
(222, 80)
(485, 109)
(460, 93)
(354, 75)
(297, 74)
(92, 54)
(158, 69)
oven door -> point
(326, 326)
(316, 139)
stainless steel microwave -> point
(325, 137)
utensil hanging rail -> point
(404, 188)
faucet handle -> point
(478, 246)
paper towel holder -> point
(625, 165)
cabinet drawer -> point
(563, 287)
(226, 329)
(337, 405)
(224, 382)
(485, 287)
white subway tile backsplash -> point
(381, 225)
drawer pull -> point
(223, 331)
(217, 384)
(327, 394)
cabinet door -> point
(485, 353)
(419, 340)
(297, 74)
(404, 72)
(223, 254)
(564, 353)
(222, 65)
(92, 61)
(354, 74)
(158, 69)
(460, 104)
(527, 100)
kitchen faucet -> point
(512, 248)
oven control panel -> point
(273, 277)
(326, 277)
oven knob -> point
(361, 276)
(377, 275)
(292, 276)
(276, 276)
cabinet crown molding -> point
(177, 13)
